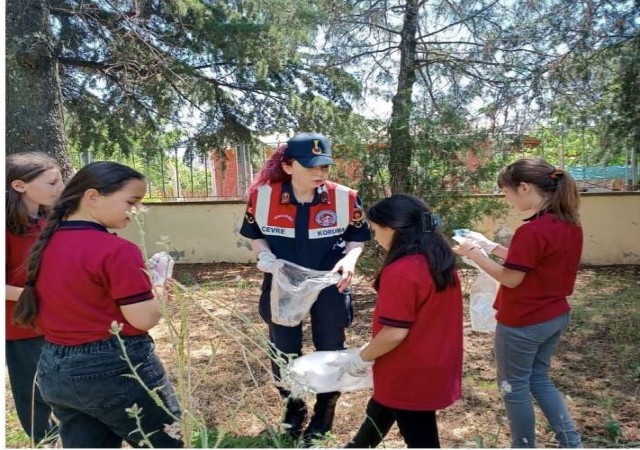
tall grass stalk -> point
(252, 341)
(178, 328)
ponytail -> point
(565, 200)
(557, 185)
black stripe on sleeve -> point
(137, 298)
(517, 267)
(394, 323)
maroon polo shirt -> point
(548, 250)
(17, 253)
(424, 372)
(86, 275)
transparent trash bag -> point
(160, 267)
(294, 289)
(481, 296)
(320, 372)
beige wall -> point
(208, 232)
(198, 232)
(610, 223)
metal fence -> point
(178, 175)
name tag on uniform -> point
(278, 231)
(319, 233)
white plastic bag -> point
(160, 266)
(294, 289)
(481, 297)
(320, 372)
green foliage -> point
(221, 439)
(603, 124)
(613, 430)
(439, 172)
(171, 170)
(508, 67)
(216, 71)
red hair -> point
(272, 171)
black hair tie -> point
(30, 283)
(429, 222)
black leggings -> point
(418, 428)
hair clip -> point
(429, 222)
(555, 173)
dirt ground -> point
(235, 392)
(597, 366)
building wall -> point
(204, 232)
(225, 181)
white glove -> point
(267, 261)
(161, 267)
(354, 365)
(480, 239)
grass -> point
(14, 435)
(235, 405)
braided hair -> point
(105, 177)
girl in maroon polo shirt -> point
(81, 280)
(538, 274)
(416, 350)
(33, 184)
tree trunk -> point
(34, 111)
(400, 141)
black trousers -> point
(418, 428)
(330, 315)
(34, 414)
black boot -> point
(322, 419)
(294, 417)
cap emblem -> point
(316, 150)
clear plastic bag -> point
(160, 266)
(482, 295)
(481, 298)
(320, 372)
(294, 289)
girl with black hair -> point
(416, 350)
(81, 282)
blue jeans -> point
(523, 357)
(34, 414)
(88, 388)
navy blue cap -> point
(309, 149)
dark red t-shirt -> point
(549, 251)
(424, 372)
(86, 274)
(17, 253)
